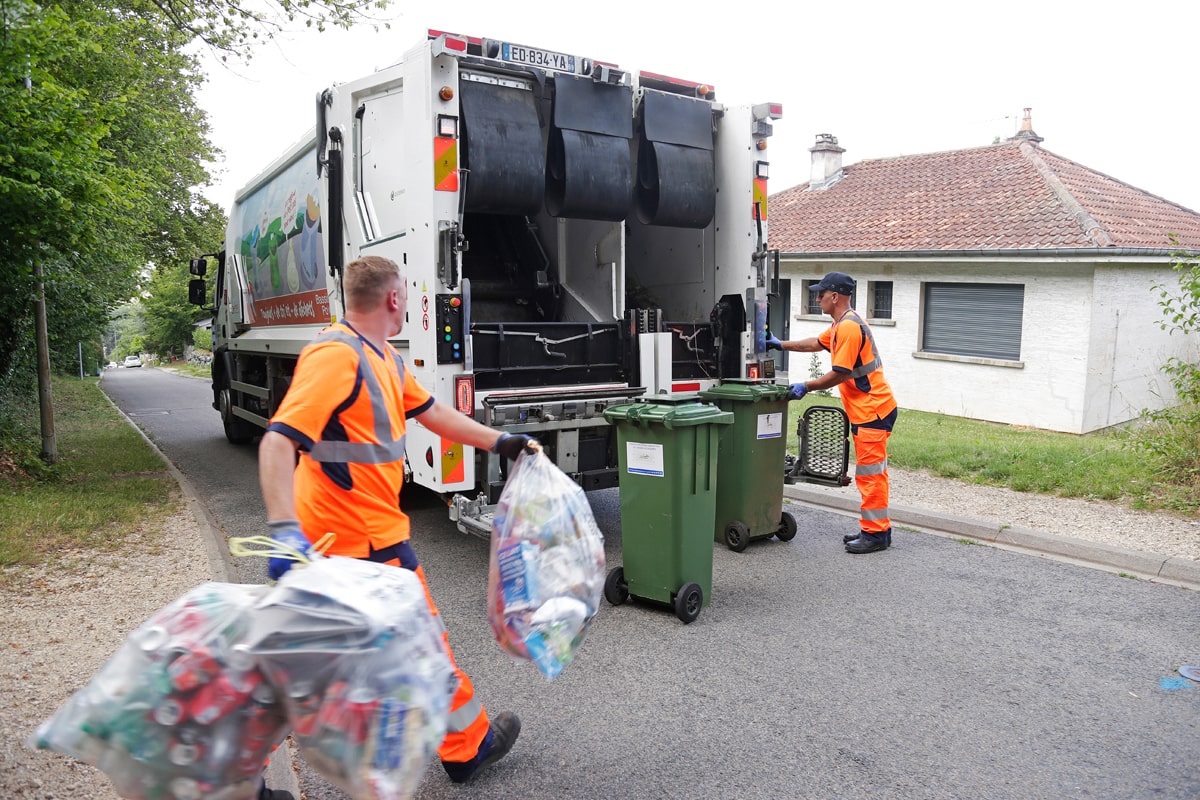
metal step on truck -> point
(574, 235)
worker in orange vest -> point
(857, 371)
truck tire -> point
(237, 430)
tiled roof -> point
(1012, 195)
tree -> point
(1174, 432)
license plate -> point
(536, 57)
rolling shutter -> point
(982, 320)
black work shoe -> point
(501, 736)
(850, 537)
(274, 794)
(867, 543)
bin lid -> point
(671, 411)
(746, 391)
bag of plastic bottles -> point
(359, 662)
(181, 711)
(546, 573)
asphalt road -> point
(936, 669)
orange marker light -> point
(446, 93)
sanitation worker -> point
(857, 371)
(345, 413)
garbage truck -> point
(574, 234)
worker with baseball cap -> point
(857, 371)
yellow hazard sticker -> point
(760, 199)
(445, 164)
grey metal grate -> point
(824, 434)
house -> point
(1003, 283)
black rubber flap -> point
(677, 120)
(580, 104)
(503, 149)
(588, 176)
(676, 186)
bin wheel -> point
(688, 601)
(737, 536)
(787, 528)
(616, 590)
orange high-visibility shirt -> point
(330, 405)
(866, 395)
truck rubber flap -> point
(503, 152)
(676, 173)
(588, 164)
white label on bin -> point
(770, 426)
(644, 459)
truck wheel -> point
(237, 430)
(787, 528)
(737, 536)
(616, 590)
(688, 602)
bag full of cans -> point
(360, 664)
(546, 572)
(345, 653)
(181, 711)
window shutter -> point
(974, 319)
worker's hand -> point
(286, 532)
(796, 391)
(510, 445)
(773, 343)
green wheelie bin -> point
(753, 455)
(667, 458)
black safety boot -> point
(850, 537)
(868, 543)
(274, 794)
(502, 734)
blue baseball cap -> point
(838, 282)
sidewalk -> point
(1149, 566)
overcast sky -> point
(1111, 86)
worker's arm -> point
(810, 345)
(827, 381)
(449, 423)
(276, 466)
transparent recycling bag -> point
(360, 665)
(546, 573)
(181, 711)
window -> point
(980, 320)
(811, 306)
(881, 300)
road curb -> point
(1150, 566)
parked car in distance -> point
(111, 365)
(133, 361)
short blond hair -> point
(368, 281)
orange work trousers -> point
(871, 478)
(468, 722)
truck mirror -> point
(198, 267)
(197, 292)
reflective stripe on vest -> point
(387, 449)
(873, 364)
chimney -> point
(826, 161)
(1026, 133)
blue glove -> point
(510, 445)
(286, 532)
(773, 343)
(796, 391)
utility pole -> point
(45, 401)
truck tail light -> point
(464, 394)
(752, 372)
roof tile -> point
(1011, 195)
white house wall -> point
(1125, 374)
(1091, 349)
